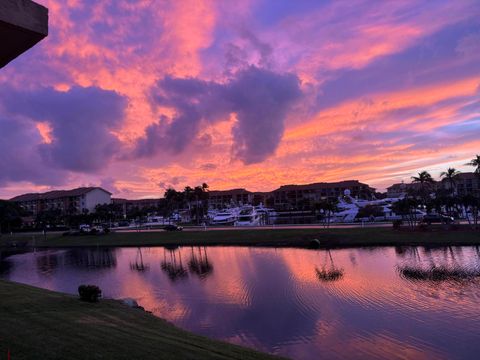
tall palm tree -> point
(475, 162)
(426, 181)
(188, 194)
(450, 176)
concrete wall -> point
(94, 198)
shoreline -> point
(280, 238)
(39, 323)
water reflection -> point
(328, 271)
(91, 258)
(304, 304)
(172, 264)
(47, 263)
(138, 264)
(440, 264)
(199, 263)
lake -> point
(304, 304)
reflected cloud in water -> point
(300, 303)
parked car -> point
(172, 227)
(437, 219)
(84, 228)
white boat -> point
(265, 212)
(248, 216)
(225, 217)
(155, 220)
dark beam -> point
(23, 23)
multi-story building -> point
(264, 198)
(464, 183)
(218, 199)
(304, 195)
(75, 201)
(398, 190)
(401, 190)
(140, 204)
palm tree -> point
(426, 181)
(423, 178)
(188, 193)
(475, 162)
(450, 176)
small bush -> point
(90, 293)
(397, 224)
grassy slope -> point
(41, 324)
(349, 237)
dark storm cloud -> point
(260, 99)
(81, 119)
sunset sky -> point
(139, 96)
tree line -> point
(444, 200)
(192, 199)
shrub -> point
(90, 293)
(314, 244)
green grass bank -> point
(41, 324)
(329, 238)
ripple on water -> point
(274, 301)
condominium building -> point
(304, 195)
(400, 190)
(75, 201)
(220, 198)
(464, 183)
(140, 204)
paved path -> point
(265, 227)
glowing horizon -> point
(138, 96)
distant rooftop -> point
(56, 194)
(228, 192)
(344, 183)
(23, 23)
(467, 175)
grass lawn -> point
(331, 238)
(41, 324)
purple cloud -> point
(260, 99)
(19, 159)
(81, 119)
